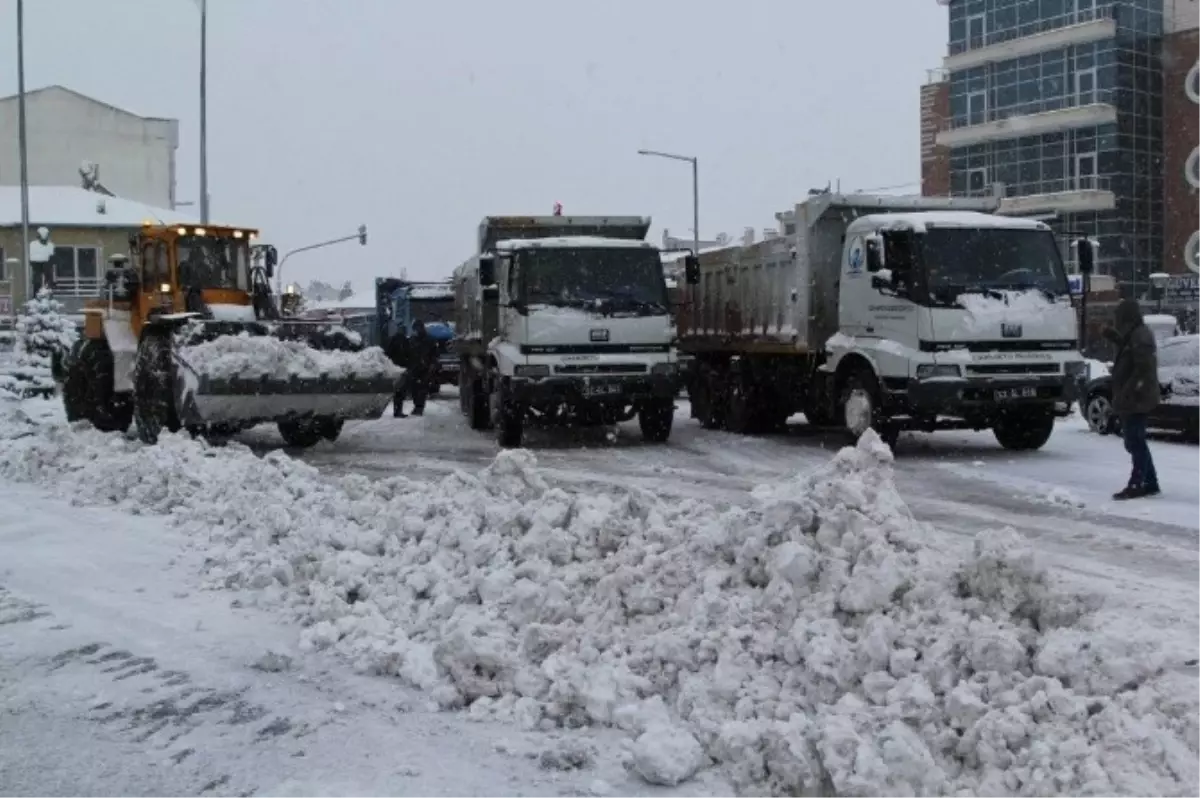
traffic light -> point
(362, 235)
(691, 270)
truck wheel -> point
(510, 423)
(479, 414)
(860, 403)
(301, 433)
(743, 415)
(655, 419)
(1024, 432)
(708, 403)
(1098, 412)
(153, 389)
(107, 410)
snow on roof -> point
(71, 206)
(574, 241)
(920, 221)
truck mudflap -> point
(206, 401)
(602, 390)
(970, 398)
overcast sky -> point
(420, 118)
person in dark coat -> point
(1135, 393)
(398, 351)
(420, 365)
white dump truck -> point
(565, 320)
(892, 313)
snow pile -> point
(44, 335)
(986, 311)
(813, 643)
(255, 357)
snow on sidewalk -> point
(814, 642)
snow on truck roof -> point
(573, 241)
(921, 221)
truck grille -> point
(602, 368)
(1013, 368)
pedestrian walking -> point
(1136, 393)
(398, 351)
(420, 365)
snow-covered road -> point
(128, 667)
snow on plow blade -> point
(247, 378)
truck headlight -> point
(664, 369)
(927, 371)
(532, 372)
(1076, 368)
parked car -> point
(1179, 380)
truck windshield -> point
(962, 260)
(609, 279)
(210, 262)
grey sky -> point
(420, 118)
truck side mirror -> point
(1086, 255)
(691, 270)
(874, 254)
(487, 270)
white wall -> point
(136, 155)
(1180, 15)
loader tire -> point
(154, 408)
(330, 428)
(89, 389)
(301, 433)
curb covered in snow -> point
(813, 643)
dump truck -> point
(886, 313)
(564, 321)
(187, 335)
(400, 302)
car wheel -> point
(1098, 413)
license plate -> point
(1008, 394)
(601, 389)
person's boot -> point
(1131, 492)
(419, 411)
(1151, 490)
(398, 412)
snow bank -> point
(254, 357)
(813, 643)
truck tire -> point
(742, 415)
(708, 404)
(860, 401)
(655, 419)
(93, 378)
(478, 413)
(510, 423)
(1024, 432)
(301, 433)
(153, 388)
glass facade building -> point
(1057, 107)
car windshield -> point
(961, 260)
(210, 262)
(609, 279)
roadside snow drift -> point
(813, 644)
(255, 357)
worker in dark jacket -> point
(421, 358)
(398, 351)
(1135, 393)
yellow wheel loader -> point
(186, 287)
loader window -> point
(211, 262)
(155, 268)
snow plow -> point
(189, 337)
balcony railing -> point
(1096, 97)
(1030, 28)
(76, 286)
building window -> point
(1085, 86)
(1191, 252)
(1192, 168)
(976, 108)
(1085, 171)
(976, 30)
(75, 271)
(1085, 10)
(977, 181)
(1192, 84)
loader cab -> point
(189, 269)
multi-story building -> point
(1057, 106)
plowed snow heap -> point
(188, 335)
(813, 643)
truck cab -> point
(567, 323)
(962, 315)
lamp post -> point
(203, 111)
(360, 236)
(1159, 280)
(22, 145)
(695, 191)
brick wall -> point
(935, 160)
(1181, 134)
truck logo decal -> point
(598, 335)
(1010, 330)
(854, 260)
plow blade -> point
(205, 401)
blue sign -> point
(1075, 282)
(855, 258)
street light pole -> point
(23, 146)
(695, 162)
(204, 111)
(360, 236)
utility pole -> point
(23, 146)
(204, 111)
